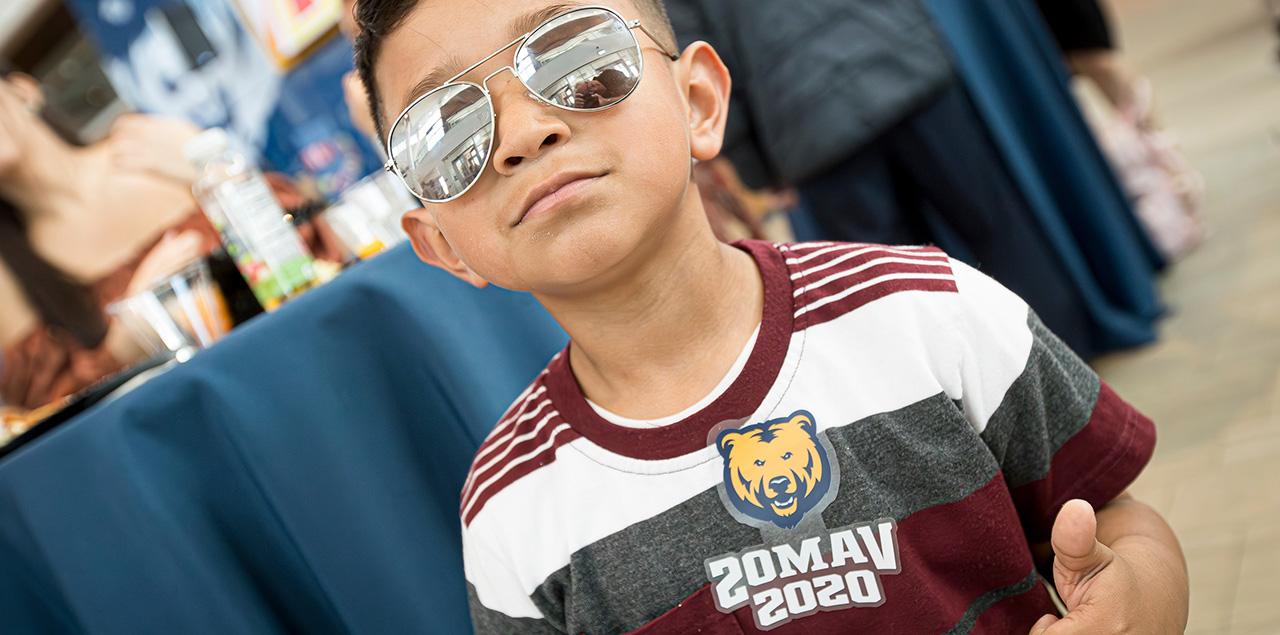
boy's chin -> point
(580, 257)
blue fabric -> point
(1015, 74)
(300, 476)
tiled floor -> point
(1212, 383)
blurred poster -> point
(195, 59)
(288, 28)
(184, 59)
(311, 131)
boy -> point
(799, 438)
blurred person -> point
(352, 88)
(738, 433)
(1083, 32)
(81, 227)
(590, 94)
(880, 140)
(616, 83)
(608, 87)
(1166, 191)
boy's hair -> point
(377, 19)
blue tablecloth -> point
(300, 476)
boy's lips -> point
(553, 191)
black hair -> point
(59, 300)
(378, 19)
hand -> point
(169, 256)
(1101, 588)
(153, 144)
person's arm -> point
(1119, 571)
(153, 144)
(1066, 443)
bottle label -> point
(273, 259)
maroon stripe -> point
(515, 411)
(857, 299)
(542, 459)
(800, 249)
(874, 271)
(479, 476)
(1098, 463)
(475, 476)
(931, 255)
(1015, 614)
(499, 431)
(950, 555)
(809, 296)
(739, 401)
(796, 250)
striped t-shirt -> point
(902, 429)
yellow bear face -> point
(777, 470)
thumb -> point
(1078, 555)
(1042, 625)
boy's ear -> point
(432, 247)
(707, 89)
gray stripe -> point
(485, 620)
(1047, 404)
(897, 463)
(628, 579)
(891, 465)
(988, 599)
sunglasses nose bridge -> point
(485, 82)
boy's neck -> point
(661, 338)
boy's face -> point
(627, 166)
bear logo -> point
(775, 471)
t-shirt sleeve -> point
(498, 602)
(1056, 429)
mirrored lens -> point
(584, 59)
(440, 145)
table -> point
(302, 475)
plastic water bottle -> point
(239, 203)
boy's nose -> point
(526, 128)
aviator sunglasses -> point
(583, 60)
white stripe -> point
(497, 441)
(515, 411)
(512, 444)
(510, 428)
(511, 465)
(524, 395)
(504, 424)
(808, 245)
(533, 526)
(871, 283)
(996, 342)
(868, 265)
(528, 389)
(843, 246)
(927, 258)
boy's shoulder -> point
(528, 433)
(834, 280)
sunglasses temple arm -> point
(636, 24)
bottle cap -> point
(205, 146)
